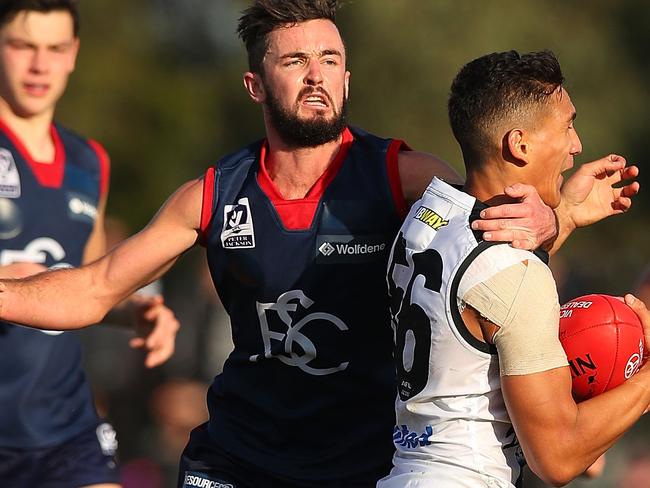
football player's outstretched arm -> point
(78, 297)
(560, 438)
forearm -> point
(70, 298)
(602, 420)
(59, 300)
(561, 439)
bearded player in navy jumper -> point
(297, 228)
(53, 188)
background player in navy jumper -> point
(53, 188)
(296, 228)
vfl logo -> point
(9, 176)
(634, 363)
(238, 226)
(299, 350)
(429, 217)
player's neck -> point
(488, 186)
(295, 171)
(33, 132)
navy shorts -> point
(203, 465)
(86, 459)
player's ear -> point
(254, 86)
(346, 92)
(516, 146)
(74, 51)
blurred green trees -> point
(158, 82)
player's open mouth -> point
(314, 98)
(316, 101)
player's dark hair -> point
(495, 87)
(264, 16)
(9, 9)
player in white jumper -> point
(483, 381)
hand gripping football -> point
(603, 340)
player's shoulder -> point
(78, 146)
(503, 254)
(497, 258)
(69, 135)
(192, 189)
(234, 160)
(417, 169)
(187, 201)
(499, 275)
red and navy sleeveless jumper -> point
(47, 212)
(308, 391)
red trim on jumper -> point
(48, 174)
(298, 214)
(206, 205)
(394, 179)
(104, 166)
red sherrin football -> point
(603, 340)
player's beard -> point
(300, 132)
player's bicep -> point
(522, 301)
(147, 255)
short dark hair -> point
(495, 87)
(264, 16)
(9, 9)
